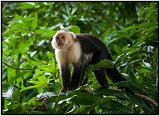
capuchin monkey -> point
(81, 50)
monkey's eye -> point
(57, 38)
(63, 37)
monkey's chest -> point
(74, 54)
(69, 55)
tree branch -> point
(150, 100)
(17, 68)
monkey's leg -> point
(101, 77)
(65, 74)
(76, 77)
(101, 73)
(115, 75)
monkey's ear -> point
(73, 35)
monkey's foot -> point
(64, 90)
(73, 88)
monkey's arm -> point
(65, 74)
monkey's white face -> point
(62, 39)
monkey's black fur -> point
(91, 44)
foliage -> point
(129, 29)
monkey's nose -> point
(58, 40)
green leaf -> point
(46, 33)
(97, 103)
(34, 22)
(102, 64)
(30, 87)
(120, 107)
(128, 28)
(11, 74)
(26, 5)
(145, 25)
(74, 29)
(84, 98)
(117, 49)
(107, 33)
(43, 80)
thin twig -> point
(16, 67)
